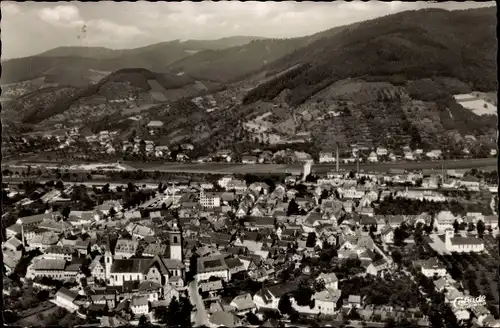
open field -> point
(223, 168)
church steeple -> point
(175, 242)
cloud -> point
(33, 27)
(63, 15)
(10, 8)
(108, 28)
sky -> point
(30, 28)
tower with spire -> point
(108, 260)
(175, 242)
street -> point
(201, 315)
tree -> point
(143, 321)
(65, 212)
(311, 240)
(178, 313)
(59, 185)
(303, 294)
(480, 228)
(285, 305)
(319, 285)
(293, 208)
(397, 257)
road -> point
(201, 315)
(234, 168)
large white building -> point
(462, 244)
(209, 199)
(212, 266)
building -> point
(330, 280)
(470, 182)
(381, 151)
(243, 304)
(139, 305)
(139, 231)
(96, 268)
(269, 297)
(212, 266)
(210, 199)
(327, 158)
(306, 169)
(326, 301)
(432, 267)
(55, 269)
(444, 221)
(248, 159)
(462, 244)
(175, 243)
(125, 249)
(59, 252)
(66, 299)
(372, 158)
(157, 269)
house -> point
(65, 298)
(269, 297)
(325, 157)
(372, 158)
(444, 220)
(234, 265)
(139, 305)
(434, 154)
(96, 268)
(59, 252)
(243, 303)
(376, 267)
(125, 249)
(432, 267)
(212, 266)
(138, 231)
(330, 280)
(381, 151)
(387, 235)
(13, 230)
(248, 159)
(354, 301)
(154, 249)
(224, 319)
(326, 301)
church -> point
(158, 269)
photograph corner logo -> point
(468, 302)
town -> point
(340, 249)
(250, 164)
(81, 143)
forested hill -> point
(406, 46)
